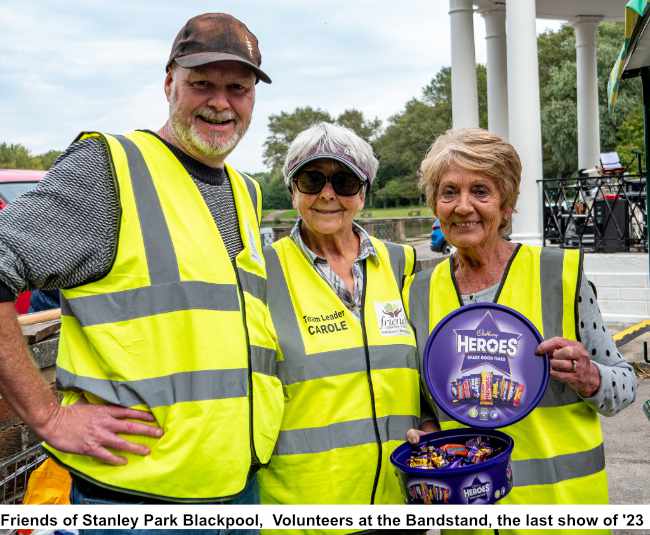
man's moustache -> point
(212, 115)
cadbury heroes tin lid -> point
(481, 368)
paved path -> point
(627, 451)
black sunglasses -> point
(344, 183)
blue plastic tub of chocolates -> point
(482, 483)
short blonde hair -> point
(475, 150)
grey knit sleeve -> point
(64, 232)
(617, 379)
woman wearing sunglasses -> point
(348, 363)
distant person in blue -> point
(438, 241)
(44, 300)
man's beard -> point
(213, 146)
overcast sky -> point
(67, 66)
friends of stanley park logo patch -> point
(391, 319)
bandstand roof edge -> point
(567, 9)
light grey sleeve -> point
(64, 232)
(617, 379)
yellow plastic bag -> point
(50, 483)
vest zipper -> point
(372, 390)
(255, 461)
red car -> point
(14, 182)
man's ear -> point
(169, 81)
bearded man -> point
(166, 362)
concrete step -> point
(623, 285)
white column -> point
(464, 93)
(587, 85)
(497, 71)
(524, 123)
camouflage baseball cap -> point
(213, 37)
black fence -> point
(600, 214)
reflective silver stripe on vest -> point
(263, 360)
(397, 262)
(551, 269)
(253, 284)
(161, 258)
(551, 265)
(342, 435)
(161, 391)
(250, 186)
(558, 394)
(419, 306)
(151, 300)
(560, 468)
(330, 363)
(284, 318)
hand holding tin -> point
(428, 426)
(570, 364)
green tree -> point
(367, 129)
(401, 148)
(275, 194)
(481, 82)
(621, 131)
(284, 128)
(48, 158)
(438, 93)
(410, 133)
(398, 192)
(17, 156)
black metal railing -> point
(599, 214)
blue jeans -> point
(250, 496)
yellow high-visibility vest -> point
(178, 329)
(351, 384)
(558, 456)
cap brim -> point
(203, 58)
(323, 156)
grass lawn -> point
(369, 213)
